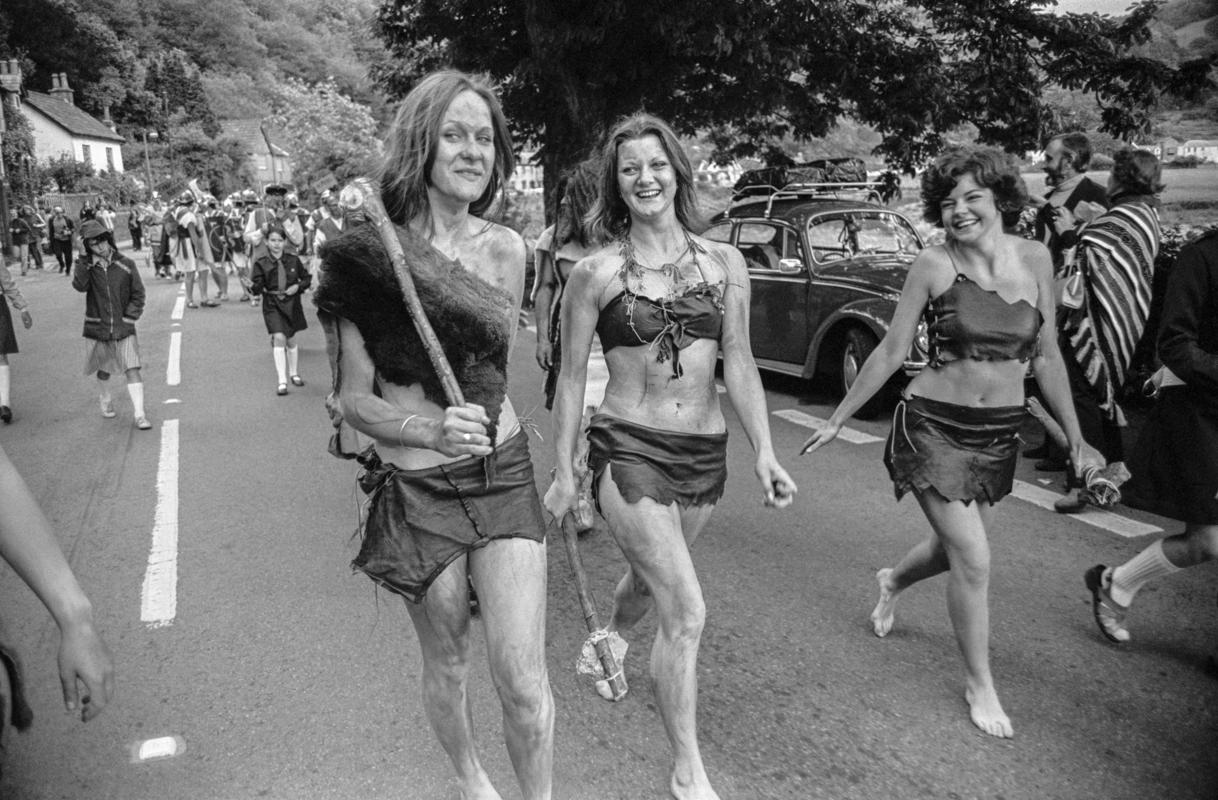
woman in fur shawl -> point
(453, 507)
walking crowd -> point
(634, 311)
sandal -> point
(1109, 614)
(297, 380)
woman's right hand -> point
(820, 437)
(561, 498)
(462, 432)
(545, 354)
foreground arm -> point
(395, 426)
(29, 546)
(744, 384)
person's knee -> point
(524, 691)
(970, 564)
(685, 617)
(133, 375)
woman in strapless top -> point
(664, 303)
(986, 296)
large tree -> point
(751, 72)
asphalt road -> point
(280, 674)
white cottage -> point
(59, 128)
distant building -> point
(270, 162)
(708, 172)
(528, 177)
(1204, 149)
(1169, 149)
(60, 128)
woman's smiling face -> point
(465, 153)
(969, 211)
(646, 179)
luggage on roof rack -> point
(808, 175)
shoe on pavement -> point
(282, 389)
(1109, 614)
(297, 380)
(107, 409)
(143, 424)
(1071, 503)
(6, 415)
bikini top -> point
(967, 321)
(668, 324)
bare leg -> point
(924, 560)
(962, 528)
(441, 622)
(655, 539)
(190, 287)
(510, 578)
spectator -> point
(19, 230)
(8, 339)
(61, 239)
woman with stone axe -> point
(452, 503)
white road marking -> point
(172, 401)
(161, 747)
(808, 421)
(1114, 523)
(159, 596)
(179, 306)
(173, 367)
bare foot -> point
(986, 711)
(478, 788)
(881, 618)
(694, 789)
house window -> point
(110, 158)
(86, 153)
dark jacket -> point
(264, 277)
(1087, 190)
(1188, 338)
(114, 296)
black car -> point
(826, 274)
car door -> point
(778, 275)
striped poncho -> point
(1116, 253)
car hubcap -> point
(850, 366)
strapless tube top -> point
(967, 321)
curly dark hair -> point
(991, 168)
(1137, 171)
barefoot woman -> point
(986, 296)
(664, 302)
(453, 505)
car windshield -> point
(845, 235)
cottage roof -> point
(250, 133)
(1201, 143)
(71, 118)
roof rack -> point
(795, 191)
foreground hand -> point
(85, 660)
(779, 488)
(1063, 219)
(820, 437)
(545, 355)
(463, 431)
(26, 319)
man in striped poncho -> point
(1116, 255)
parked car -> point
(826, 274)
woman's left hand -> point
(26, 319)
(779, 488)
(1063, 219)
(291, 290)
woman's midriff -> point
(971, 382)
(411, 397)
(643, 391)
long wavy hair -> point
(610, 216)
(410, 144)
(991, 168)
(579, 189)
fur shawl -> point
(472, 319)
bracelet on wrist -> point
(402, 430)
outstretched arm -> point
(28, 544)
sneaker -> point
(6, 415)
(107, 408)
(142, 423)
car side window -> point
(760, 244)
(791, 248)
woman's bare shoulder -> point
(499, 238)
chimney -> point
(60, 89)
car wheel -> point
(857, 345)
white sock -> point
(1135, 573)
(293, 362)
(136, 390)
(4, 383)
(280, 363)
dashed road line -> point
(159, 595)
(173, 366)
(1044, 498)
